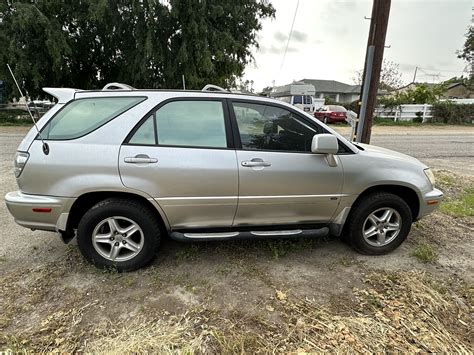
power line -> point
(289, 37)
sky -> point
(329, 40)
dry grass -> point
(405, 312)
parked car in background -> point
(123, 168)
(331, 114)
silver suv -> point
(123, 168)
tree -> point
(144, 43)
(390, 76)
(419, 94)
(467, 53)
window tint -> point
(82, 116)
(308, 99)
(145, 134)
(191, 123)
(265, 127)
(297, 99)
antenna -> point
(45, 145)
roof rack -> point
(117, 86)
(210, 87)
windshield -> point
(336, 108)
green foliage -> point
(467, 51)
(420, 94)
(14, 118)
(463, 206)
(449, 112)
(144, 43)
(425, 253)
(382, 121)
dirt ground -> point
(247, 296)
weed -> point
(189, 252)
(463, 206)
(425, 253)
(3, 258)
(281, 247)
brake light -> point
(20, 161)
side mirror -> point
(324, 144)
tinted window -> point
(82, 116)
(297, 100)
(145, 134)
(185, 123)
(265, 127)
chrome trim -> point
(277, 233)
(211, 235)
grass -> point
(462, 206)
(378, 121)
(281, 247)
(425, 253)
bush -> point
(14, 117)
(451, 113)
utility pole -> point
(372, 67)
(414, 75)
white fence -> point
(405, 112)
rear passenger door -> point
(182, 155)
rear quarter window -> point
(82, 116)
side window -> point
(184, 123)
(297, 99)
(264, 127)
(145, 134)
(82, 116)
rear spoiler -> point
(62, 94)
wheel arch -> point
(85, 201)
(408, 194)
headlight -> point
(429, 174)
(20, 161)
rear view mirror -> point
(324, 144)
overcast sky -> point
(330, 37)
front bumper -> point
(47, 213)
(430, 202)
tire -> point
(103, 240)
(326, 121)
(368, 213)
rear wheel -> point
(378, 223)
(119, 234)
(326, 120)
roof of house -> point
(332, 86)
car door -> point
(280, 180)
(182, 155)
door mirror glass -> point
(324, 144)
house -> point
(453, 90)
(334, 90)
(457, 91)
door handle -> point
(255, 162)
(140, 159)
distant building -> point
(453, 90)
(457, 91)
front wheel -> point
(326, 121)
(119, 234)
(378, 223)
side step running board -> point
(233, 235)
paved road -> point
(440, 147)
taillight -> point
(20, 161)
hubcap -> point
(382, 226)
(117, 238)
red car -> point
(331, 113)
